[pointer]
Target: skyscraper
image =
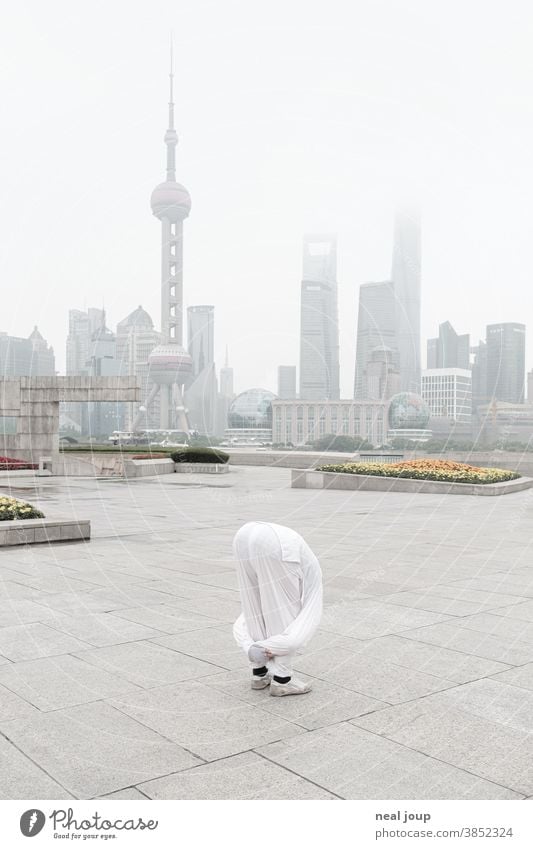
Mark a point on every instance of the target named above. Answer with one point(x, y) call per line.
point(449, 349)
point(136, 339)
point(201, 392)
point(406, 278)
point(376, 329)
point(201, 336)
point(287, 382)
point(506, 361)
point(225, 396)
point(319, 328)
point(31, 357)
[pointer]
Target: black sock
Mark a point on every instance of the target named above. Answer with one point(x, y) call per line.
point(261, 671)
point(280, 680)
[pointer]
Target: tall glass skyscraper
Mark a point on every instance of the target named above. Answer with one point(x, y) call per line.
point(506, 361)
point(319, 326)
point(449, 349)
point(376, 328)
point(406, 278)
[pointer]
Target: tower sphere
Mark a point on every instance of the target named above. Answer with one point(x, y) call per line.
point(408, 411)
point(170, 200)
point(169, 364)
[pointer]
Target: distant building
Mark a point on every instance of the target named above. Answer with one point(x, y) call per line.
point(530, 387)
point(103, 417)
point(299, 422)
point(81, 326)
point(319, 327)
point(201, 391)
point(381, 378)
point(506, 362)
point(376, 330)
point(225, 396)
point(31, 357)
point(448, 393)
point(406, 278)
point(479, 375)
point(201, 337)
point(136, 339)
point(250, 416)
point(449, 349)
point(287, 382)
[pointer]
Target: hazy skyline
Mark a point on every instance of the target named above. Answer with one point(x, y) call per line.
point(293, 118)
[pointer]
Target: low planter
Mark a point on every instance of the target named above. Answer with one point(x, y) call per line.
point(310, 479)
point(201, 468)
point(30, 531)
point(147, 468)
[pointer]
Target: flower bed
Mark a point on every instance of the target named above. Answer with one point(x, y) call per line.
point(151, 457)
point(8, 464)
point(11, 508)
point(432, 470)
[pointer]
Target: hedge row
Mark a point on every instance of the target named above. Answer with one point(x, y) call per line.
point(199, 454)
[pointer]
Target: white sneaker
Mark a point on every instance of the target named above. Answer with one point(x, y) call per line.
point(261, 682)
point(291, 688)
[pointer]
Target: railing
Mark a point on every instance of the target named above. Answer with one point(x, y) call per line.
point(381, 458)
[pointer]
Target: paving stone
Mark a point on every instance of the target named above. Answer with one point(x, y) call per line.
point(21, 611)
point(455, 637)
point(500, 626)
point(147, 664)
point(362, 765)
point(495, 752)
point(245, 776)
point(522, 612)
point(205, 721)
point(11, 706)
point(367, 619)
point(520, 676)
point(496, 700)
point(491, 598)
point(214, 645)
point(130, 793)
point(166, 618)
point(452, 665)
point(223, 609)
point(58, 682)
point(22, 779)
point(425, 600)
point(25, 642)
point(326, 704)
point(379, 679)
point(95, 749)
point(100, 629)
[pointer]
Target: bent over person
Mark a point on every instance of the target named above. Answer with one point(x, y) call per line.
point(280, 585)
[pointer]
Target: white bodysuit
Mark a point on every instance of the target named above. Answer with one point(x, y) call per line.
point(280, 584)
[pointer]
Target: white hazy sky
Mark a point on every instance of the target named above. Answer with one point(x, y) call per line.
point(293, 116)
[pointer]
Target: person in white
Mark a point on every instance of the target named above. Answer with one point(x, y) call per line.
point(280, 584)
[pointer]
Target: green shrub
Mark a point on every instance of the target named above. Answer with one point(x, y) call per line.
point(11, 508)
point(341, 442)
point(199, 454)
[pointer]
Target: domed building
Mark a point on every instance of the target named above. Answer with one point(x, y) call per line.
point(408, 417)
point(250, 416)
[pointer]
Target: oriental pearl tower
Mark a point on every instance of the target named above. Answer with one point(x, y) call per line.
point(170, 365)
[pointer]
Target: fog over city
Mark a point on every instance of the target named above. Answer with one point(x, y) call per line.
point(292, 117)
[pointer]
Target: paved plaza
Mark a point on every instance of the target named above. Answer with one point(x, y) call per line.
point(119, 676)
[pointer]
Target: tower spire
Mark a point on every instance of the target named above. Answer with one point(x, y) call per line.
point(171, 137)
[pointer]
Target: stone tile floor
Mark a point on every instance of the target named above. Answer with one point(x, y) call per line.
point(119, 677)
